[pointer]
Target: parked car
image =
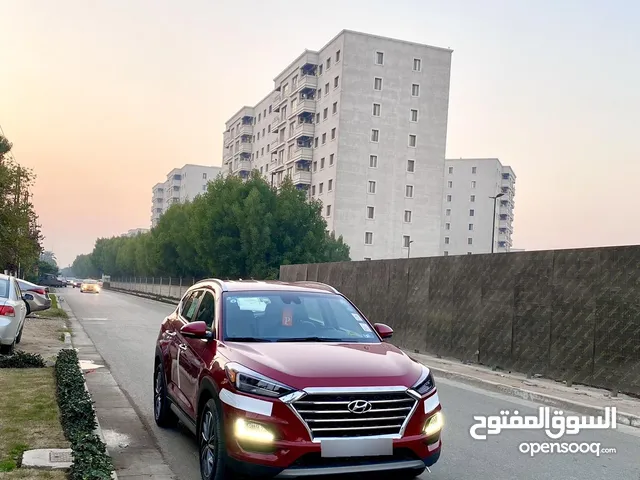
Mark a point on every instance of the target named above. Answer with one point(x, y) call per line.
point(77, 283)
point(49, 280)
point(89, 285)
point(13, 311)
point(291, 380)
point(37, 297)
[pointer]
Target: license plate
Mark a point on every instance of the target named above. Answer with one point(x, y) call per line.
point(356, 447)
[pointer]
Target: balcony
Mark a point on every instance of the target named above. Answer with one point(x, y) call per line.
point(301, 177)
point(278, 122)
point(306, 82)
point(244, 166)
point(276, 144)
point(304, 130)
point(304, 106)
point(245, 130)
point(245, 147)
point(277, 98)
point(302, 154)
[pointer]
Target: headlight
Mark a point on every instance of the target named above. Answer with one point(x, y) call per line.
point(434, 424)
point(248, 381)
point(425, 383)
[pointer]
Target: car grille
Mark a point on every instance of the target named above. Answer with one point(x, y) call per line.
point(329, 416)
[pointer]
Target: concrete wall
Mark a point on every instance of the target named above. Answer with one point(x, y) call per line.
point(567, 314)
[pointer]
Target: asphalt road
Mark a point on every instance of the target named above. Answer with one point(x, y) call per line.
point(124, 329)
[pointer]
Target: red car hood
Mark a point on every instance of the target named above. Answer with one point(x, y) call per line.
point(302, 365)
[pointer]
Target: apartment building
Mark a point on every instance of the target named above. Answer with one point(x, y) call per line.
point(134, 232)
point(471, 188)
point(361, 125)
point(181, 185)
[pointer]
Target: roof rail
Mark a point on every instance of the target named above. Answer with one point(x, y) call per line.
point(215, 280)
point(320, 285)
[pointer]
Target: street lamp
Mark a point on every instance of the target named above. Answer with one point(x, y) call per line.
point(493, 228)
point(409, 251)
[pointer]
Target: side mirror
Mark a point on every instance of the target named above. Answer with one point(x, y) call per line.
point(385, 331)
point(197, 330)
point(26, 297)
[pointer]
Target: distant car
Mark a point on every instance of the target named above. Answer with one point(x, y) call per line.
point(77, 283)
point(89, 285)
point(13, 311)
point(32, 294)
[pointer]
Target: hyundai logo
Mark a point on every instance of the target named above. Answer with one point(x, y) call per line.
point(359, 406)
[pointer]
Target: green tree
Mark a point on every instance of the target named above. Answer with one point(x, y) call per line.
point(83, 266)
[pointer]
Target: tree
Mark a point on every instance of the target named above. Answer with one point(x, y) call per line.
point(83, 267)
point(20, 236)
point(49, 257)
point(236, 229)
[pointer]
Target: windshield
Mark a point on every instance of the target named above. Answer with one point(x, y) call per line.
point(89, 281)
point(293, 316)
point(4, 288)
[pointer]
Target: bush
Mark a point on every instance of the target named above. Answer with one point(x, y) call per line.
point(22, 359)
point(78, 418)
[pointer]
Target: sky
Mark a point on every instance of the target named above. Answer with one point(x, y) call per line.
point(102, 98)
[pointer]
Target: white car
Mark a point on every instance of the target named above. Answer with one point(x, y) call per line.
point(13, 311)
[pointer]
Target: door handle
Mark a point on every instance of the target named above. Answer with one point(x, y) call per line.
point(182, 346)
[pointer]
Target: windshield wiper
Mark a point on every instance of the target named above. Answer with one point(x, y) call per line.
point(309, 339)
point(246, 339)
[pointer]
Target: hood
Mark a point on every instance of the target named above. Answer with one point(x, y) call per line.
point(302, 365)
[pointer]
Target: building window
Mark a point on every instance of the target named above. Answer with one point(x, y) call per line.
point(447, 226)
point(450, 184)
point(472, 198)
point(372, 186)
point(333, 133)
point(315, 166)
point(471, 227)
point(446, 254)
point(411, 166)
point(379, 58)
point(415, 90)
point(473, 184)
point(417, 65)
point(204, 187)
point(337, 56)
point(331, 159)
point(313, 191)
point(375, 135)
point(328, 210)
point(448, 198)
point(334, 108)
point(326, 89)
point(319, 70)
point(474, 169)
point(413, 140)
point(376, 110)
point(370, 213)
point(328, 63)
point(407, 216)
point(414, 115)
point(204, 176)
point(368, 238)
point(406, 241)
point(472, 212)
point(469, 241)
point(450, 170)
point(330, 185)
point(408, 191)
point(315, 142)
point(373, 161)
point(447, 212)
point(336, 82)
point(321, 163)
point(377, 83)
point(320, 188)
point(367, 258)
point(446, 240)
point(324, 138)
point(325, 114)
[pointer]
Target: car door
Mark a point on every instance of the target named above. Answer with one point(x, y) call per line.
point(185, 315)
point(186, 307)
point(21, 305)
point(196, 352)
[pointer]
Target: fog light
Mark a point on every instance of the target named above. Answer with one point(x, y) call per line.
point(434, 424)
point(247, 430)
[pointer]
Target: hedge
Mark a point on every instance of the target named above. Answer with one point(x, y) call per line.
point(22, 359)
point(90, 458)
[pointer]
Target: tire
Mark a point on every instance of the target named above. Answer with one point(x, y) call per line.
point(408, 475)
point(162, 413)
point(211, 444)
point(8, 349)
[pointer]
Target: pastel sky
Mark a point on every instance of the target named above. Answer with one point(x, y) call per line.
point(103, 97)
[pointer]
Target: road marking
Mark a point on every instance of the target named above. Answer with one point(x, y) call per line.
point(96, 318)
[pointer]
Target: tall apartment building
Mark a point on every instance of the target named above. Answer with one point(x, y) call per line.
point(134, 232)
point(181, 185)
point(361, 125)
point(468, 207)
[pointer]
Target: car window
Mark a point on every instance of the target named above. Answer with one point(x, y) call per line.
point(18, 291)
point(282, 316)
point(207, 309)
point(190, 305)
point(4, 288)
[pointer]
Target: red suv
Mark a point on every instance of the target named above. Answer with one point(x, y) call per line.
point(290, 380)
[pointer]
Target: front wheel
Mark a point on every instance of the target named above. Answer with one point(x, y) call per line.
point(162, 413)
point(213, 454)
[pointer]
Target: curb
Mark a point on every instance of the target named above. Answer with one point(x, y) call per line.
point(149, 296)
point(627, 419)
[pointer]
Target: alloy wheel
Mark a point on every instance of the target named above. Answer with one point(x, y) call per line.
point(207, 445)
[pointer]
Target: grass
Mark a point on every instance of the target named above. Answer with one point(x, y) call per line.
point(55, 311)
point(29, 418)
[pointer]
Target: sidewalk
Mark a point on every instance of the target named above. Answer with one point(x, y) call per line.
point(578, 398)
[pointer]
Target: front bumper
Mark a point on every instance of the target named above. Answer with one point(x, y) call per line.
point(293, 454)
